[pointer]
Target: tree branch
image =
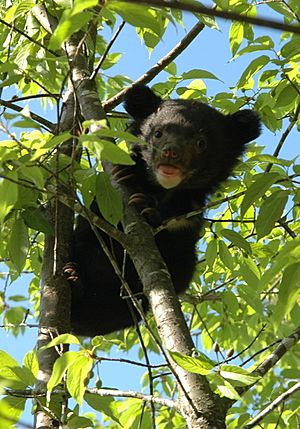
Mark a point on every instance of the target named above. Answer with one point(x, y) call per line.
point(10, 105)
point(281, 398)
point(158, 67)
point(30, 393)
point(198, 8)
point(285, 345)
point(132, 394)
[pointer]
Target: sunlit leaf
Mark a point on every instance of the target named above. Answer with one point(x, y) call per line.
point(103, 404)
point(36, 219)
point(200, 364)
point(60, 367)
point(236, 34)
point(68, 25)
point(136, 15)
point(271, 210)
point(225, 255)
point(108, 199)
point(229, 391)
point(232, 372)
point(257, 189)
point(8, 195)
point(18, 244)
point(199, 74)
point(237, 239)
point(62, 339)
point(254, 66)
point(288, 293)
point(78, 372)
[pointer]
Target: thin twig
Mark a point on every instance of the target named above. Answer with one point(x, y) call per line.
point(36, 42)
point(107, 49)
point(284, 137)
point(131, 362)
point(248, 347)
point(32, 97)
point(49, 125)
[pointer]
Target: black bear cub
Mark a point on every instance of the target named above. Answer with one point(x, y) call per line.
point(190, 148)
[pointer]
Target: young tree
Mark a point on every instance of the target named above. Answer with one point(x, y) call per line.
point(225, 346)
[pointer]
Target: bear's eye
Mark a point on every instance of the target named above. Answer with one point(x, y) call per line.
point(157, 134)
point(202, 143)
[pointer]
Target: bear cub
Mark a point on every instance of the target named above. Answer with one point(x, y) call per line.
point(190, 148)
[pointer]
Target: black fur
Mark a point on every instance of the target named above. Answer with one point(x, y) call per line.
point(190, 148)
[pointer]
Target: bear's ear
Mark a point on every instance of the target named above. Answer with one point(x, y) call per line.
point(140, 102)
point(244, 125)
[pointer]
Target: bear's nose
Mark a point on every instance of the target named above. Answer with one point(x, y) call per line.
point(169, 152)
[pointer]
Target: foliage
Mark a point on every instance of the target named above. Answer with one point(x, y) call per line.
point(244, 295)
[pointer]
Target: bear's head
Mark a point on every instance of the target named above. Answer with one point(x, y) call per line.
point(188, 143)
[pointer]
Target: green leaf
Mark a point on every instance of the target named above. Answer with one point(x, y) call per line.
point(62, 339)
point(109, 199)
point(106, 150)
point(230, 301)
point(111, 60)
point(110, 133)
point(288, 255)
point(18, 244)
point(59, 368)
point(257, 189)
point(68, 25)
point(8, 195)
point(236, 34)
point(10, 370)
point(246, 80)
point(103, 404)
point(24, 375)
point(225, 255)
point(288, 293)
point(78, 422)
point(199, 74)
point(10, 411)
point(271, 210)
point(199, 365)
point(18, 298)
point(236, 239)
point(86, 179)
point(287, 96)
point(80, 5)
point(30, 361)
point(78, 372)
point(209, 21)
point(34, 218)
point(236, 373)
point(291, 49)
point(6, 361)
point(211, 252)
point(54, 141)
point(136, 15)
point(250, 272)
point(14, 315)
point(229, 391)
point(270, 159)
